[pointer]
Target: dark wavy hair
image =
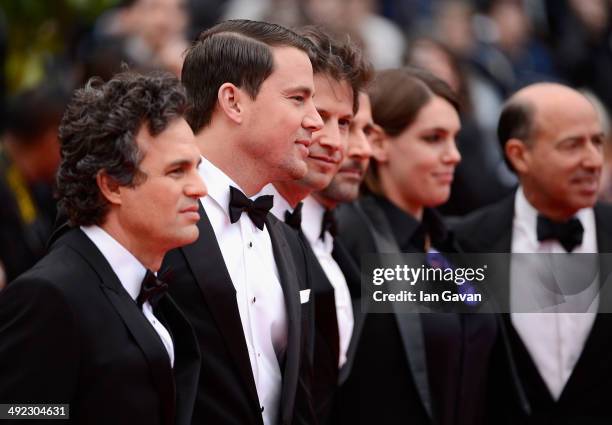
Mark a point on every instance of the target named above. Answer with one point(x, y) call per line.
point(236, 51)
point(341, 59)
point(98, 133)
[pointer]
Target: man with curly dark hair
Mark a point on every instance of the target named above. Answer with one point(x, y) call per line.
point(90, 325)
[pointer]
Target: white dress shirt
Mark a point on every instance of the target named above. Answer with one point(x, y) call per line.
point(312, 219)
point(249, 258)
point(130, 272)
point(553, 338)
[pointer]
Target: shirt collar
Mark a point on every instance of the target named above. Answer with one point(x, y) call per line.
point(128, 269)
point(280, 203)
point(526, 216)
point(410, 232)
point(312, 220)
point(218, 184)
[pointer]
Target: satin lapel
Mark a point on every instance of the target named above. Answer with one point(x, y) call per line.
point(142, 331)
point(187, 359)
point(411, 331)
point(409, 325)
point(495, 236)
point(208, 267)
point(286, 270)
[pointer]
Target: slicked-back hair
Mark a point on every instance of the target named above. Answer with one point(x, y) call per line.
point(515, 122)
point(342, 60)
point(237, 52)
point(98, 133)
point(396, 97)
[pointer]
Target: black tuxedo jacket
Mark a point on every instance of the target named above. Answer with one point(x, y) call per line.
point(70, 333)
point(397, 371)
point(326, 347)
point(586, 398)
point(324, 337)
point(201, 285)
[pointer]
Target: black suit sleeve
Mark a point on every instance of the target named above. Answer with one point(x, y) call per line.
point(39, 355)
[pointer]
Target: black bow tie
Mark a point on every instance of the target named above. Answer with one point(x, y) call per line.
point(257, 209)
point(294, 219)
point(152, 290)
point(329, 224)
point(569, 233)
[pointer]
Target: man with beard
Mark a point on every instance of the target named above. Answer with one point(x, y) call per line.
point(345, 185)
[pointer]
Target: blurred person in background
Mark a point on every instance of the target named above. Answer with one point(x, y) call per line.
point(153, 32)
point(509, 53)
point(29, 159)
point(581, 35)
point(382, 41)
point(3, 46)
point(3, 55)
point(452, 26)
point(605, 188)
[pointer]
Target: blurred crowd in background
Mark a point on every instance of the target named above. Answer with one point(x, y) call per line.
point(484, 49)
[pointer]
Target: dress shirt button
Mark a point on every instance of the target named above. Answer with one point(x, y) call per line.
point(253, 300)
point(250, 244)
point(262, 409)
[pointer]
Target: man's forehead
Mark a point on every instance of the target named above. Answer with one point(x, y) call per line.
point(326, 85)
point(559, 118)
point(552, 99)
point(177, 134)
point(289, 56)
point(365, 110)
point(292, 68)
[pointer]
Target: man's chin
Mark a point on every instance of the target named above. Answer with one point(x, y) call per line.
point(188, 236)
point(315, 181)
point(296, 171)
point(341, 192)
point(584, 202)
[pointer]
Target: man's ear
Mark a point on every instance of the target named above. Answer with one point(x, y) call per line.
point(109, 187)
point(517, 153)
point(380, 145)
point(231, 100)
